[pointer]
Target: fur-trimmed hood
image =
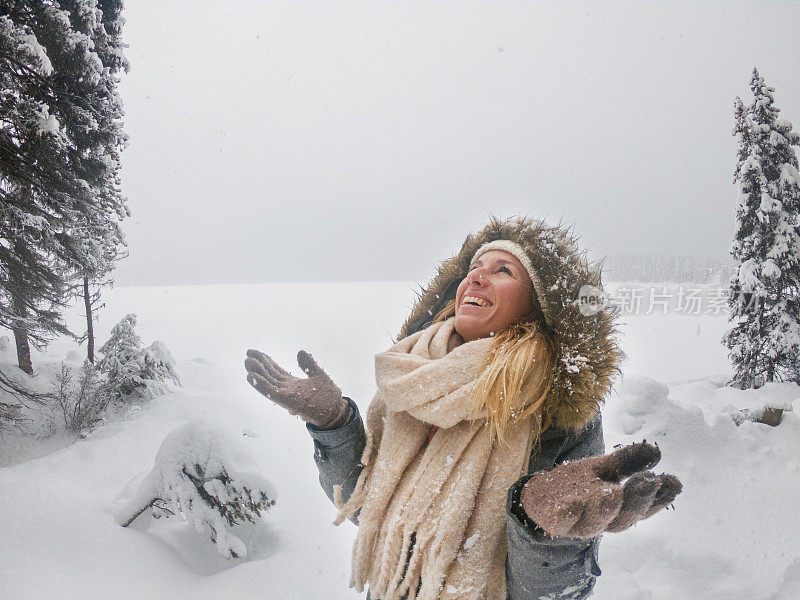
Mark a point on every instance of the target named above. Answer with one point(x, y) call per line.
point(587, 355)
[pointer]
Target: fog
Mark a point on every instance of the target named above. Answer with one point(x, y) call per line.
point(362, 141)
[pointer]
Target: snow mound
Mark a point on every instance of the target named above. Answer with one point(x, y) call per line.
point(205, 475)
point(730, 535)
point(639, 398)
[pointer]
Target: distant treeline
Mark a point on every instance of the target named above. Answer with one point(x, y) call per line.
point(677, 268)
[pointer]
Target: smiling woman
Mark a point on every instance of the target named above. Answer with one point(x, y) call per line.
point(496, 293)
point(456, 482)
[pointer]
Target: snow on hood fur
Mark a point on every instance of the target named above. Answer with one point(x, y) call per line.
point(587, 355)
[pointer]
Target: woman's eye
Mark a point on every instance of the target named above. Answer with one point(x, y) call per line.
point(506, 269)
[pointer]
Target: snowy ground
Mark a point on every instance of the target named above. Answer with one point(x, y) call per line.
point(733, 534)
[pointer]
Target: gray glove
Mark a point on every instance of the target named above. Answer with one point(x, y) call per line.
point(585, 497)
point(315, 399)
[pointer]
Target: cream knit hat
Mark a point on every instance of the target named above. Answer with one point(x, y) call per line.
point(517, 251)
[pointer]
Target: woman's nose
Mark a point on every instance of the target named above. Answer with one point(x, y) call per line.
point(476, 276)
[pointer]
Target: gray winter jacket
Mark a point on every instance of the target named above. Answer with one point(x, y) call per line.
point(537, 566)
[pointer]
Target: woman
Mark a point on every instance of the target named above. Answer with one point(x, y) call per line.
point(496, 378)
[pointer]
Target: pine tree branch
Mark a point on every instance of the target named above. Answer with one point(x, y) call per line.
point(140, 511)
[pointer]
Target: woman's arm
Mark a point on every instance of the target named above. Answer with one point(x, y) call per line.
point(337, 454)
point(540, 566)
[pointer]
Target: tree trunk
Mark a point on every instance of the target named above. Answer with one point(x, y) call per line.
point(87, 302)
point(23, 351)
point(21, 334)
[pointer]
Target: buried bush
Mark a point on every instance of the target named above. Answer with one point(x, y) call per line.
point(203, 475)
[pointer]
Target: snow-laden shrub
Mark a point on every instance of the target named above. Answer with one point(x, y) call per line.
point(158, 365)
point(79, 396)
point(205, 475)
point(133, 372)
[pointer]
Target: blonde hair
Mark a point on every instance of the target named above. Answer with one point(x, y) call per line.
point(514, 378)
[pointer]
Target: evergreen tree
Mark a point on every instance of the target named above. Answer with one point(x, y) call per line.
point(764, 339)
point(122, 360)
point(36, 181)
point(130, 370)
point(101, 243)
point(60, 139)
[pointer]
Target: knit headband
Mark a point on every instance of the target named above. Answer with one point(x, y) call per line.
point(520, 254)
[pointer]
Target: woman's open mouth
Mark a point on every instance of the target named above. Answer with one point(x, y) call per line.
point(475, 301)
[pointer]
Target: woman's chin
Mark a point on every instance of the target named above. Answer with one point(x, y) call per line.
point(471, 327)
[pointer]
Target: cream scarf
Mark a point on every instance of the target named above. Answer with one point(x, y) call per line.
point(450, 493)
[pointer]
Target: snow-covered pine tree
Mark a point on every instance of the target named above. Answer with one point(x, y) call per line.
point(36, 180)
point(130, 370)
point(764, 340)
point(99, 140)
point(205, 475)
point(61, 137)
point(122, 360)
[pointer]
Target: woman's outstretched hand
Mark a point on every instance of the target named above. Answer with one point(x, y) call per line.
point(585, 497)
point(315, 399)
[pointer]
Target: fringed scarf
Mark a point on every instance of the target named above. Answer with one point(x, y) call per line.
point(448, 493)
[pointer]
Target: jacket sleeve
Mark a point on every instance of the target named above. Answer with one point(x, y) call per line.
point(337, 454)
point(538, 566)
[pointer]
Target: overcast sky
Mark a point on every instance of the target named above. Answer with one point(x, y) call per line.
point(279, 141)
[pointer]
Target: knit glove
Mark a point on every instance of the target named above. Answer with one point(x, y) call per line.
point(315, 399)
point(585, 497)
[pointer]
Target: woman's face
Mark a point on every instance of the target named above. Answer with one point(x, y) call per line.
point(495, 293)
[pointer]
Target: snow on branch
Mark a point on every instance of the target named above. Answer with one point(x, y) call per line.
point(133, 371)
point(204, 475)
